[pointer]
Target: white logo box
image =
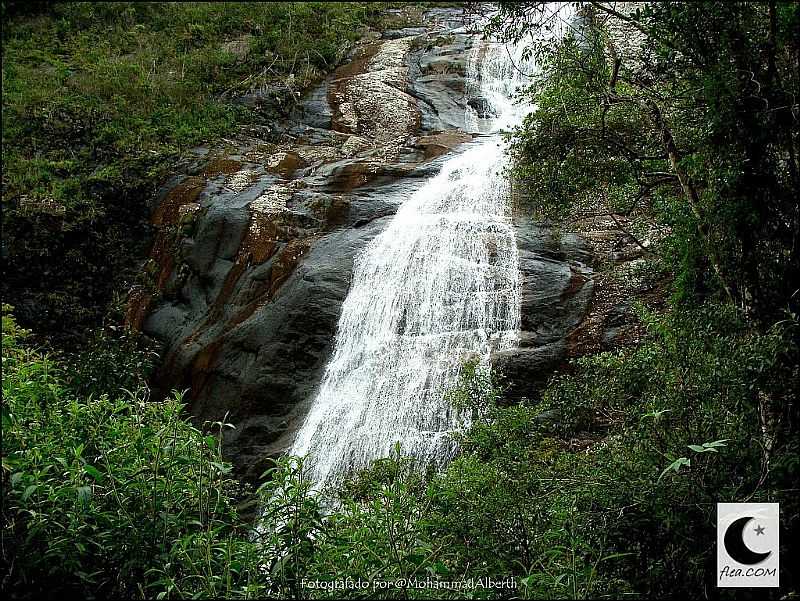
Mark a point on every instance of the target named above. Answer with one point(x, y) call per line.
point(748, 540)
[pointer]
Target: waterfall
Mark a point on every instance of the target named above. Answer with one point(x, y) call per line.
point(439, 285)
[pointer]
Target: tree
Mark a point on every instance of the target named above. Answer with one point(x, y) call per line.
point(687, 108)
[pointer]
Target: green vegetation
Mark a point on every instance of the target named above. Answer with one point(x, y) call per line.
point(122, 496)
point(688, 113)
point(99, 100)
point(110, 497)
point(98, 491)
point(617, 493)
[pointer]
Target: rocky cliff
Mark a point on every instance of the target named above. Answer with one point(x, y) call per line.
point(256, 238)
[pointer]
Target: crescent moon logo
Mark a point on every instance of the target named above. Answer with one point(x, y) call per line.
point(734, 544)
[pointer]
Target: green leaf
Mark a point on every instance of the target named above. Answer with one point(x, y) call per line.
point(708, 447)
point(675, 466)
point(222, 468)
point(93, 472)
point(29, 491)
point(655, 414)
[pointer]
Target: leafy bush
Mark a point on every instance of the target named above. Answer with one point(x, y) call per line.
point(122, 496)
point(617, 494)
point(701, 411)
point(98, 490)
point(380, 532)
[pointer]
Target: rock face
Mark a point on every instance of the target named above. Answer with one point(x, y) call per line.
point(256, 240)
point(557, 289)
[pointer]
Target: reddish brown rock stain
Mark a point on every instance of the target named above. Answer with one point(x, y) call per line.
point(220, 167)
point(337, 212)
point(260, 242)
point(576, 282)
point(202, 365)
point(436, 145)
point(228, 286)
point(257, 246)
point(165, 217)
point(263, 238)
point(290, 163)
point(138, 307)
point(184, 193)
point(354, 175)
point(281, 270)
point(286, 262)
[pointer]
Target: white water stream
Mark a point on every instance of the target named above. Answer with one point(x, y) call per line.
point(440, 284)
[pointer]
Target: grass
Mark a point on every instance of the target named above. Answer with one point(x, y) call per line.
point(88, 84)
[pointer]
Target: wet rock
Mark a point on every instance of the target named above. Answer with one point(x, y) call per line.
point(527, 370)
point(482, 107)
point(438, 144)
point(314, 110)
point(403, 33)
point(256, 242)
point(556, 282)
point(557, 290)
point(437, 81)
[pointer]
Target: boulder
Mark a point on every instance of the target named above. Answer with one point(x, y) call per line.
point(482, 107)
point(557, 291)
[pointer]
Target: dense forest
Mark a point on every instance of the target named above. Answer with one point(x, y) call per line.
point(680, 117)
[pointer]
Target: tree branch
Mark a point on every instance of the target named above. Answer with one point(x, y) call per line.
point(689, 191)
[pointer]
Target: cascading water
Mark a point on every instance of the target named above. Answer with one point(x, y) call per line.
point(440, 284)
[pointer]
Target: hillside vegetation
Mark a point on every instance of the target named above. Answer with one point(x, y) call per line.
point(100, 99)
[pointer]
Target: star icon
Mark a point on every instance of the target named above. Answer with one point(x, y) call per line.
point(759, 530)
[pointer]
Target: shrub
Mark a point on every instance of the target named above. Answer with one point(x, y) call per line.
point(97, 490)
point(619, 494)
